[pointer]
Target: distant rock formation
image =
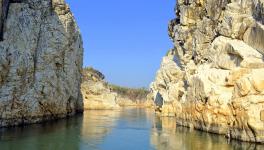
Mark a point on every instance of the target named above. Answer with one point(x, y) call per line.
point(135, 97)
point(40, 62)
point(96, 92)
point(212, 79)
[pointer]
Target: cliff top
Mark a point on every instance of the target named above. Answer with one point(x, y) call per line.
point(90, 73)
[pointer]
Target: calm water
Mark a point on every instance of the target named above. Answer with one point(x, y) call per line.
point(128, 129)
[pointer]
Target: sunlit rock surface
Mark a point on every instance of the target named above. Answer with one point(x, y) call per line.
point(96, 92)
point(212, 79)
point(99, 94)
point(40, 63)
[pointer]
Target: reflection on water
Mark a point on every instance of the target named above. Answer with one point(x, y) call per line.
point(63, 134)
point(167, 135)
point(95, 126)
point(128, 129)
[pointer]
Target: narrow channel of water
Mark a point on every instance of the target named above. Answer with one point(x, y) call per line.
point(127, 129)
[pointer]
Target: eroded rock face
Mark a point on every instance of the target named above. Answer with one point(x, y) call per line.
point(99, 94)
point(213, 77)
point(96, 92)
point(40, 63)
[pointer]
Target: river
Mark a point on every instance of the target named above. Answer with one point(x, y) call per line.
point(126, 129)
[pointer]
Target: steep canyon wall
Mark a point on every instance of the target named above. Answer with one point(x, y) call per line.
point(40, 62)
point(213, 79)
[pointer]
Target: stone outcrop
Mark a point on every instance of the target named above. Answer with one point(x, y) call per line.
point(96, 92)
point(132, 97)
point(212, 79)
point(40, 62)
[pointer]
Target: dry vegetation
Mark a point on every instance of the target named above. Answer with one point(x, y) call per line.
point(130, 93)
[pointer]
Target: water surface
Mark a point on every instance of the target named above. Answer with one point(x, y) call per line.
point(127, 129)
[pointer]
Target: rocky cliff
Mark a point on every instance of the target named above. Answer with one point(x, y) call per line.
point(96, 92)
point(212, 79)
point(40, 61)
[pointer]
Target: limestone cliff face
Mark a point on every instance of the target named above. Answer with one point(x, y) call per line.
point(213, 77)
point(40, 62)
point(96, 92)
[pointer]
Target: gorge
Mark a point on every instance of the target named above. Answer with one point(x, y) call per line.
point(98, 94)
point(211, 80)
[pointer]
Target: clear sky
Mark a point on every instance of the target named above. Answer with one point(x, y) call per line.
point(124, 39)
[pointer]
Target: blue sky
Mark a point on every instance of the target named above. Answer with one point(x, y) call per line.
point(124, 39)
